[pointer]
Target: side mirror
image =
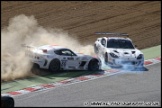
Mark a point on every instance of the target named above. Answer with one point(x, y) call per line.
point(136, 46)
point(103, 44)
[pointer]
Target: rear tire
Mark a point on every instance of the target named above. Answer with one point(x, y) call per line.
point(54, 65)
point(35, 68)
point(93, 65)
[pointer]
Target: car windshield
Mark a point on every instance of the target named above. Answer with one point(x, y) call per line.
point(120, 43)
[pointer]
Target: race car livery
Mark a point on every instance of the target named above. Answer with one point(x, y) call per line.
point(56, 58)
point(118, 51)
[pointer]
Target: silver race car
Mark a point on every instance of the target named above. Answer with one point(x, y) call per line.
point(56, 58)
point(117, 51)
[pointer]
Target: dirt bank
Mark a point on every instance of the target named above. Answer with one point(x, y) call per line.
point(140, 19)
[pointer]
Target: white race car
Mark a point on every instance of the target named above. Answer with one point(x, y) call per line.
point(118, 51)
point(56, 58)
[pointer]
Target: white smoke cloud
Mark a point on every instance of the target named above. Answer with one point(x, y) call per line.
point(24, 29)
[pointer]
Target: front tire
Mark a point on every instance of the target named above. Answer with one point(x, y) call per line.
point(93, 65)
point(54, 65)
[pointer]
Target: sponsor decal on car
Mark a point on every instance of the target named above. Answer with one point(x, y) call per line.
point(77, 58)
point(84, 58)
point(72, 67)
point(70, 58)
point(63, 62)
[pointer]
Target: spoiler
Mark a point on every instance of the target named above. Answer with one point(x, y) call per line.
point(111, 33)
point(27, 46)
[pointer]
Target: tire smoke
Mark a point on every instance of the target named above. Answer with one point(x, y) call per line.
point(24, 29)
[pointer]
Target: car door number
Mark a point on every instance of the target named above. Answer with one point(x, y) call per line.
point(64, 62)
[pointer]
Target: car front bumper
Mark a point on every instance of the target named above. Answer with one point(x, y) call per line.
point(126, 62)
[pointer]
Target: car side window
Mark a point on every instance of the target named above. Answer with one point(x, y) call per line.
point(64, 52)
point(103, 41)
point(58, 52)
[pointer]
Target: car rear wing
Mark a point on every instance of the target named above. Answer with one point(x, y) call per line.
point(28, 48)
point(112, 34)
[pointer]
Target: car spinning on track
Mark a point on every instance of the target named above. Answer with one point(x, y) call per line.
point(118, 51)
point(56, 58)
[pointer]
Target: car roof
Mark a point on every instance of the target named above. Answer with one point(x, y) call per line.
point(51, 47)
point(123, 38)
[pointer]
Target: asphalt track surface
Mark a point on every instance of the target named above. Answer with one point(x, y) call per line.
point(140, 88)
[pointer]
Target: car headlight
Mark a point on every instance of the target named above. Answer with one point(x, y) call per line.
point(140, 56)
point(113, 55)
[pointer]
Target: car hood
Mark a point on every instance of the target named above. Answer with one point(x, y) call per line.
point(126, 52)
